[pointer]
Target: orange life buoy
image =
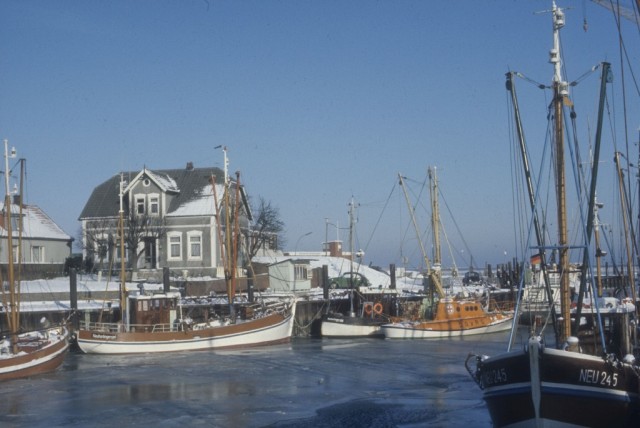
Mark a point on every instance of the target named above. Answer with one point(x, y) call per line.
point(377, 308)
point(367, 308)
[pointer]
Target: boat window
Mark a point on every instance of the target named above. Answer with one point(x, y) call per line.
point(145, 305)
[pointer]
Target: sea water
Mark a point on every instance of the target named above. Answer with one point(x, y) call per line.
point(306, 383)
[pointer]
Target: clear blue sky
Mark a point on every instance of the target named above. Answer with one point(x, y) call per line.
point(317, 102)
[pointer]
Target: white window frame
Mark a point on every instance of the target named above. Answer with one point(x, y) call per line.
point(194, 237)
point(171, 235)
point(40, 251)
point(154, 201)
point(118, 256)
point(141, 202)
point(300, 272)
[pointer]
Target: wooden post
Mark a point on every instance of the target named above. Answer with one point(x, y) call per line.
point(73, 297)
point(392, 273)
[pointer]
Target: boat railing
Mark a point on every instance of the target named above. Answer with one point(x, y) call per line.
point(107, 327)
point(118, 327)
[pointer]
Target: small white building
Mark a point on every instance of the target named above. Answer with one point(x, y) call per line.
point(44, 246)
point(290, 275)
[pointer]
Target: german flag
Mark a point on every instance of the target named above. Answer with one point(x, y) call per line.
point(536, 259)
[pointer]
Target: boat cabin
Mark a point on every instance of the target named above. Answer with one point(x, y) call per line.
point(154, 310)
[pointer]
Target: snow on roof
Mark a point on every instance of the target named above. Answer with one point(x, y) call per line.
point(201, 204)
point(339, 265)
point(36, 224)
point(163, 180)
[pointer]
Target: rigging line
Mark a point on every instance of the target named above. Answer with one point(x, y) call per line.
point(375, 227)
point(623, 47)
point(464, 242)
point(449, 245)
point(529, 80)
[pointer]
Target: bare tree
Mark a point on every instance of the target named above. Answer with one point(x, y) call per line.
point(266, 229)
point(99, 238)
point(138, 228)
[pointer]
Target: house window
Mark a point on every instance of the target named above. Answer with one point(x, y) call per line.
point(175, 246)
point(154, 205)
point(15, 223)
point(195, 245)
point(140, 204)
point(37, 254)
point(301, 272)
point(118, 252)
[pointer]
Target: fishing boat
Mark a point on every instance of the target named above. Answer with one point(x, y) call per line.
point(453, 317)
point(369, 308)
point(373, 308)
point(590, 378)
point(153, 320)
point(441, 315)
point(156, 325)
point(24, 354)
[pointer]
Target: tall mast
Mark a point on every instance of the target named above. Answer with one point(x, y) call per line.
point(511, 87)
point(123, 286)
point(560, 91)
point(13, 305)
point(435, 217)
point(433, 276)
point(352, 222)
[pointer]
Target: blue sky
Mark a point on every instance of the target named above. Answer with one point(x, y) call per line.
point(317, 102)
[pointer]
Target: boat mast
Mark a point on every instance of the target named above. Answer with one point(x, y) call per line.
point(433, 276)
point(227, 252)
point(14, 313)
point(625, 223)
point(435, 218)
point(352, 207)
point(511, 87)
point(123, 286)
point(592, 213)
point(560, 91)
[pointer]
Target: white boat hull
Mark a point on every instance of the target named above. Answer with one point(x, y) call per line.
point(410, 331)
point(344, 327)
point(265, 331)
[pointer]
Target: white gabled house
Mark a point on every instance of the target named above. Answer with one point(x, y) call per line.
point(40, 246)
point(175, 215)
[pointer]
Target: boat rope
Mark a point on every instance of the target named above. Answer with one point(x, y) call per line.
point(475, 375)
point(316, 316)
point(375, 227)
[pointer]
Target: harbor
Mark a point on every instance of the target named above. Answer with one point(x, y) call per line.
point(320, 214)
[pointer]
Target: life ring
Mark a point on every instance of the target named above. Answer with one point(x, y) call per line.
point(368, 308)
point(377, 308)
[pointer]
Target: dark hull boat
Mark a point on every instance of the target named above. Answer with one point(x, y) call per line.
point(589, 377)
point(540, 386)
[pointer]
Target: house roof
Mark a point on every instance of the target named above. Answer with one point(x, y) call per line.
point(190, 186)
point(36, 224)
